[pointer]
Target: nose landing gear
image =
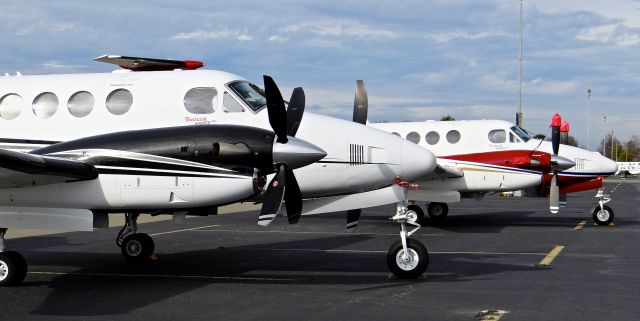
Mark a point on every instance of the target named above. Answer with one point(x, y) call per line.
point(602, 214)
point(407, 258)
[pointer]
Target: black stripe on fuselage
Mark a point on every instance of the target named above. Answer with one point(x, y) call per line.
point(27, 141)
point(146, 172)
point(350, 163)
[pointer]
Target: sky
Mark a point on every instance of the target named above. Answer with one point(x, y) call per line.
point(420, 59)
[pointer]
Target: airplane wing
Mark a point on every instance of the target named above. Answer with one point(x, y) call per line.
point(24, 170)
point(149, 64)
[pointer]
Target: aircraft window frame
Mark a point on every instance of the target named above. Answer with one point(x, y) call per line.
point(13, 107)
point(119, 101)
point(234, 106)
point(45, 105)
point(81, 108)
point(497, 136)
point(432, 137)
point(413, 137)
point(255, 106)
point(453, 136)
point(522, 133)
point(196, 101)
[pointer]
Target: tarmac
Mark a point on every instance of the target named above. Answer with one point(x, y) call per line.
point(502, 258)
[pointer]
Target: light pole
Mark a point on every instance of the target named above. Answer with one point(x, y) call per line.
point(604, 141)
point(519, 114)
point(588, 118)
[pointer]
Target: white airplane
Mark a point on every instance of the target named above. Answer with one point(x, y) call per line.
point(628, 168)
point(160, 137)
point(476, 157)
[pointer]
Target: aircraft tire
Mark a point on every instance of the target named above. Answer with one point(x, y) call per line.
point(438, 211)
point(13, 268)
point(418, 214)
point(604, 217)
point(418, 259)
point(137, 247)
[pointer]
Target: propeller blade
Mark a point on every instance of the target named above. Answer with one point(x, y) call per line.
point(275, 108)
point(274, 196)
point(360, 104)
point(353, 218)
point(555, 133)
point(293, 198)
point(554, 194)
point(295, 111)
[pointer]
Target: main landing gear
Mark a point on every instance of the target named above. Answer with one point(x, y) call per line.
point(602, 214)
point(437, 212)
point(13, 266)
point(407, 258)
point(135, 246)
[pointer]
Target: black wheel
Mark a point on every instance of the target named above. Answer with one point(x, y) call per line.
point(415, 213)
point(411, 266)
point(438, 211)
point(604, 216)
point(137, 247)
point(13, 268)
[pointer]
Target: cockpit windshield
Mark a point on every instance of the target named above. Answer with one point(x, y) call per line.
point(522, 133)
point(251, 94)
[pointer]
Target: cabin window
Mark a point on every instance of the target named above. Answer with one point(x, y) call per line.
point(513, 138)
point(432, 138)
point(10, 106)
point(201, 100)
point(45, 105)
point(81, 104)
point(394, 133)
point(498, 136)
point(119, 101)
point(413, 137)
point(453, 136)
point(230, 104)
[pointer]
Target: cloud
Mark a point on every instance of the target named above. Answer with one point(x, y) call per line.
point(450, 35)
point(277, 39)
point(206, 35)
point(616, 34)
point(536, 86)
point(341, 29)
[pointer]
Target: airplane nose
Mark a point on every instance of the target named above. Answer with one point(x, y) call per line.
point(609, 166)
point(416, 161)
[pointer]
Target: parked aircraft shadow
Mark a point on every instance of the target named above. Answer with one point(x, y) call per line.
point(107, 285)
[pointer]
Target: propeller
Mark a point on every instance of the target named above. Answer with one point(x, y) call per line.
point(564, 140)
point(288, 153)
point(554, 190)
point(360, 111)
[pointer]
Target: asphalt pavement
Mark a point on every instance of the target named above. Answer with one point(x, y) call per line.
point(501, 258)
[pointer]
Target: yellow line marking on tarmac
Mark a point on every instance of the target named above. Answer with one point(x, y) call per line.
point(183, 230)
point(551, 256)
point(580, 225)
point(167, 276)
point(490, 315)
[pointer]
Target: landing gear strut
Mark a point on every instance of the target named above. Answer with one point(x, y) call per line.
point(13, 266)
point(602, 214)
point(407, 258)
point(135, 246)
